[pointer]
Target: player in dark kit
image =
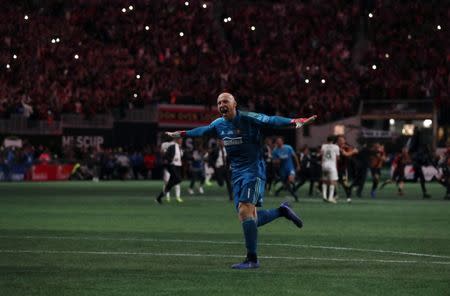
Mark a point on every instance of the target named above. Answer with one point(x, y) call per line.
point(377, 159)
point(346, 152)
point(242, 137)
point(400, 162)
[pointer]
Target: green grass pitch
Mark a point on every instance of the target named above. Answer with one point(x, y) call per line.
point(111, 238)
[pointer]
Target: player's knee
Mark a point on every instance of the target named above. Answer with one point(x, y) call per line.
point(246, 211)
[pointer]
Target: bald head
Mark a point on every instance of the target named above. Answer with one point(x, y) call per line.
point(227, 96)
point(227, 105)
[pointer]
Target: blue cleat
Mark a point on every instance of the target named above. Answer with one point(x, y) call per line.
point(246, 265)
point(288, 213)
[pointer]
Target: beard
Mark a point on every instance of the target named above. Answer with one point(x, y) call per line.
point(223, 110)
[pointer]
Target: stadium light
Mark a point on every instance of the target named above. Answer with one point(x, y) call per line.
point(252, 28)
point(76, 56)
point(438, 27)
point(427, 123)
point(124, 10)
point(204, 5)
point(323, 81)
point(370, 15)
point(392, 121)
point(25, 17)
point(186, 3)
point(306, 80)
point(14, 56)
point(181, 34)
point(386, 55)
point(130, 7)
point(138, 76)
point(8, 66)
point(374, 67)
point(147, 28)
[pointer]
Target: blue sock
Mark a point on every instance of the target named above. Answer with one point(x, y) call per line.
point(267, 216)
point(251, 237)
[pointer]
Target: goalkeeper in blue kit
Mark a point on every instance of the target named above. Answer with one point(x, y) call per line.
point(242, 137)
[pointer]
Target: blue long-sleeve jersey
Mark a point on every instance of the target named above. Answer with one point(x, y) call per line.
point(242, 138)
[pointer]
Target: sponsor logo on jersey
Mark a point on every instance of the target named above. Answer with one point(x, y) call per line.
point(232, 141)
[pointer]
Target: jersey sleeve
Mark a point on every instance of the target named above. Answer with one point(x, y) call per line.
point(337, 151)
point(208, 130)
point(265, 120)
point(291, 150)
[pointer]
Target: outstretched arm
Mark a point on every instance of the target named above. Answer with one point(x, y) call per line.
point(279, 121)
point(196, 132)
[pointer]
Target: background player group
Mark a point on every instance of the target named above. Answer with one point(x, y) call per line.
point(335, 167)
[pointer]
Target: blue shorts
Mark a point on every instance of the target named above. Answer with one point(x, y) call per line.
point(284, 174)
point(249, 191)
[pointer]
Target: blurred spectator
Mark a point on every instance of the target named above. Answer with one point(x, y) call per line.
point(302, 57)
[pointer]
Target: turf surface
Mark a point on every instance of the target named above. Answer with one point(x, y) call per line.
point(110, 238)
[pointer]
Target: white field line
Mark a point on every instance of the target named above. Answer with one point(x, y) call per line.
point(124, 253)
point(99, 238)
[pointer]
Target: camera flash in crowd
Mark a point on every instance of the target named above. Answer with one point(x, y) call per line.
point(229, 19)
point(130, 7)
point(138, 76)
point(225, 20)
point(135, 95)
point(204, 5)
point(438, 27)
point(306, 80)
point(427, 123)
point(374, 67)
point(76, 56)
point(124, 10)
point(8, 66)
point(53, 40)
point(147, 28)
point(252, 28)
point(386, 55)
point(392, 121)
point(186, 3)
point(14, 56)
point(25, 17)
point(181, 34)
point(323, 81)
point(370, 15)
point(409, 36)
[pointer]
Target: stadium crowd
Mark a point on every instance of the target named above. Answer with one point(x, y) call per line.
point(308, 57)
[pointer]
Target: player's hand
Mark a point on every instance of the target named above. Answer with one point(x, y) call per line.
point(299, 122)
point(175, 135)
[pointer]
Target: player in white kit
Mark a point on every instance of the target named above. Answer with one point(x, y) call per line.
point(330, 156)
